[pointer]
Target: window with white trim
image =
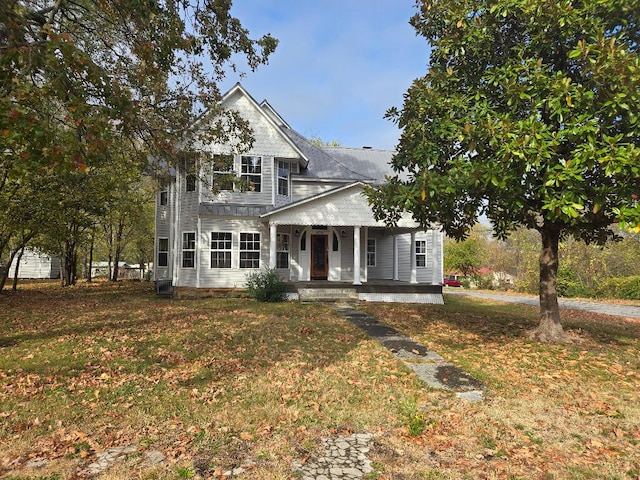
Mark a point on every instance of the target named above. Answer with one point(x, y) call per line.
point(164, 197)
point(249, 250)
point(283, 178)
point(190, 182)
point(221, 249)
point(251, 172)
point(421, 253)
point(222, 168)
point(188, 249)
point(163, 252)
point(371, 252)
point(282, 250)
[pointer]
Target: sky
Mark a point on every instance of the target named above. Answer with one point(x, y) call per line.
point(339, 65)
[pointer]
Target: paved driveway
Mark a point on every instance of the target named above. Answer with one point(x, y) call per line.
point(628, 311)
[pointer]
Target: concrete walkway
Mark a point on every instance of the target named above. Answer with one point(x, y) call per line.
point(628, 311)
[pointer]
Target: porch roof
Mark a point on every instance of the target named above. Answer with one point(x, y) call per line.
point(338, 207)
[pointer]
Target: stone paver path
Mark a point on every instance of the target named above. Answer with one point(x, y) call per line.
point(430, 367)
point(344, 459)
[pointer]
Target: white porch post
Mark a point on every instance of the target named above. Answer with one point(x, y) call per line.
point(197, 253)
point(395, 258)
point(356, 256)
point(273, 232)
point(414, 276)
point(436, 277)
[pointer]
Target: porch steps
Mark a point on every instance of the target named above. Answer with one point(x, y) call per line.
point(327, 294)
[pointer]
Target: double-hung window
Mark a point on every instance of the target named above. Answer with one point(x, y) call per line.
point(283, 178)
point(188, 249)
point(222, 168)
point(163, 252)
point(371, 252)
point(421, 253)
point(164, 197)
point(251, 172)
point(249, 250)
point(220, 249)
point(282, 250)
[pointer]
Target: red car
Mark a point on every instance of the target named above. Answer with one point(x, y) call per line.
point(451, 281)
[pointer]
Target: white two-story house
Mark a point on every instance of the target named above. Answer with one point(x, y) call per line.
point(304, 214)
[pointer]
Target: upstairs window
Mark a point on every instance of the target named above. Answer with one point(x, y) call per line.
point(163, 252)
point(220, 249)
point(222, 168)
point(188, 249)
point(190, 167)
point(283, 178)
point(164, 197)
point(249, 250)
point(251, 173)
point(421, 253)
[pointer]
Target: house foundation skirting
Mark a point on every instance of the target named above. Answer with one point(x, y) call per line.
point(388, 292)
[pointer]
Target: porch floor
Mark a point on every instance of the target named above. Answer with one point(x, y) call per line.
point(371, 291)
point(372, 286)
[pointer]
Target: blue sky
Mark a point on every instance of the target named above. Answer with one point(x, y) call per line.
point(338, 67)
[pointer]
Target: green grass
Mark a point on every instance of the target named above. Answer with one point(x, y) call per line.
point(216, 382)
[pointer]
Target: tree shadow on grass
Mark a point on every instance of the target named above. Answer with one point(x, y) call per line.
point(491, 321)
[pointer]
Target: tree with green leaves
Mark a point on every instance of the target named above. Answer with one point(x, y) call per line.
point(80, 80)
point(468, 255)
point(116, 70)
point(529, 114)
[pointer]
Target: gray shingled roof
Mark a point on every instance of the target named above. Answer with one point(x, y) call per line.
point(322, 163)
point(370, 163)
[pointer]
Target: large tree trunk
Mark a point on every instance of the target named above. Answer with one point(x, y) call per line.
point(4, 271)
point(68, 274)
point(550, 328)
point(90, 267)
point(14, 287)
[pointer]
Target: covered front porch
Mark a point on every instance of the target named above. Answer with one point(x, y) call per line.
point(333, 237)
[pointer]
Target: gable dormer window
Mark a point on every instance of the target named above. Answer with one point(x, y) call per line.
point(284, 169)
point(251, 173)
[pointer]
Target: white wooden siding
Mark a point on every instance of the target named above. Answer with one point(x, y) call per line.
point(164, 223)
point(423, 274)
point(35, 265)
point(301, 189)
point(384, 257)
point(234, 277)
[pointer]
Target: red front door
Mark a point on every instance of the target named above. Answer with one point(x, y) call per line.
point(319, 257)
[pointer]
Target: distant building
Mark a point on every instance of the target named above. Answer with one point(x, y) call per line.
point(35, 264)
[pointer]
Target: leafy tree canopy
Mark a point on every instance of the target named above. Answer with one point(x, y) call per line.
point(529, 114)
point(113, 71)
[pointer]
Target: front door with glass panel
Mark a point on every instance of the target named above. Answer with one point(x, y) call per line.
point(319, 257)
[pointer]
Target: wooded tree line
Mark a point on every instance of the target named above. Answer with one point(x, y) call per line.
point(586, 270)
point(89, 93)
point(80, 217)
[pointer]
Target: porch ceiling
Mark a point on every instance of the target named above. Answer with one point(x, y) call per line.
point(339, 207)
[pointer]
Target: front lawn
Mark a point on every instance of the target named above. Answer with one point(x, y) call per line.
point(218, 383)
